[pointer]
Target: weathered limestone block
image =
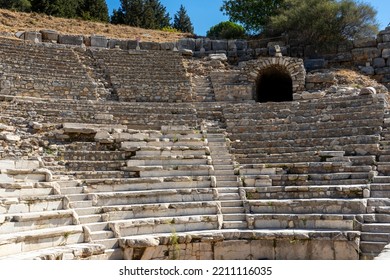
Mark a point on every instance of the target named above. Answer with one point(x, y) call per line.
point(219, 45)
point(167, 46)
point(76, 40)
point(50, 36)
point(98, 41)
point(220, 57)
point(116, 43)
point(33, 36)
point(187, 43)
point(149, 46)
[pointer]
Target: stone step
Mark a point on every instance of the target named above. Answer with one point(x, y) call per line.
point(97, 226)
point(26, 241)
point(223, 167)
point(228, 196)
point(226, 184)
point(165, 225)
point(377, 218)
point(234, 217)
point(304, 221)
point(222, 162)
point(152, 197)
point(375, 237)
point(377, 228)
point(233, 210)
point(226, 178)
point(72, 190)
point(372, 247)
point(19, 222)
point(88, 211)
point(153, 184)
point(114, 254)
point(381, 179)
point(380, 194)
point(111, 243)
point(223, 172)
point(305, 192)
point(77, 197)
point(231, 203)
point(235, 225)
point(104, 234)
point(308, 206)
point(227, 190)
point(87, 219)
point(81, 204)
point(172, 173)
point(95, 165)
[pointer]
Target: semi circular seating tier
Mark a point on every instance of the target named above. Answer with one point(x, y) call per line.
point(127, 179)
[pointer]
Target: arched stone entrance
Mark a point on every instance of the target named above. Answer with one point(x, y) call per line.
point(274, 79)
point(274, 84)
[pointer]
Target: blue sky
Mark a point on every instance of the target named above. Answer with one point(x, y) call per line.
point(206, 13)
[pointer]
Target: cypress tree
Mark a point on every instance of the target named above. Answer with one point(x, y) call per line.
point(182, 21)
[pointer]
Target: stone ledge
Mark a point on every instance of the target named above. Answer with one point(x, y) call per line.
point(68, 252)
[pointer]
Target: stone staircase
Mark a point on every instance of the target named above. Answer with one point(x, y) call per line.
point(203, 89)
point(376, 228)
point(226, 181)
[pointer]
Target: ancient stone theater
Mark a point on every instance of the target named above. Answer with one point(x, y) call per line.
point(193, 150)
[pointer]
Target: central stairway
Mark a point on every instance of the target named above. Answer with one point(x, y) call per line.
point(225, 179)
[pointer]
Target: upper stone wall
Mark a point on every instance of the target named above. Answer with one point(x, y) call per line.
point(372, 55)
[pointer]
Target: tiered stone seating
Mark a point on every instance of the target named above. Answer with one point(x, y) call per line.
point(299, 169)
point(43, 71)
point(34, 221)
point(376, 228)
point(146, 76)
point(134, 115)
point(151, 182)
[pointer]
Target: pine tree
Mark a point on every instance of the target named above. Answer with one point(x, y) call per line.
point(141, 13)
point(182, 21)
point(94, 10)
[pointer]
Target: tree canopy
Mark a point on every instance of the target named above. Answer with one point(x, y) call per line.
point(324, 22)
point(149, 14)
point(86, 9)
point(254, 15)
point(226, 30)
point(182, 21)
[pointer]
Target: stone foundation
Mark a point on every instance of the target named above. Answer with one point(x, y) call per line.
point(247, 245)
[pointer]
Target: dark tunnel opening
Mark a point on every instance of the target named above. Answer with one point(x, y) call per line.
point(274, 85)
